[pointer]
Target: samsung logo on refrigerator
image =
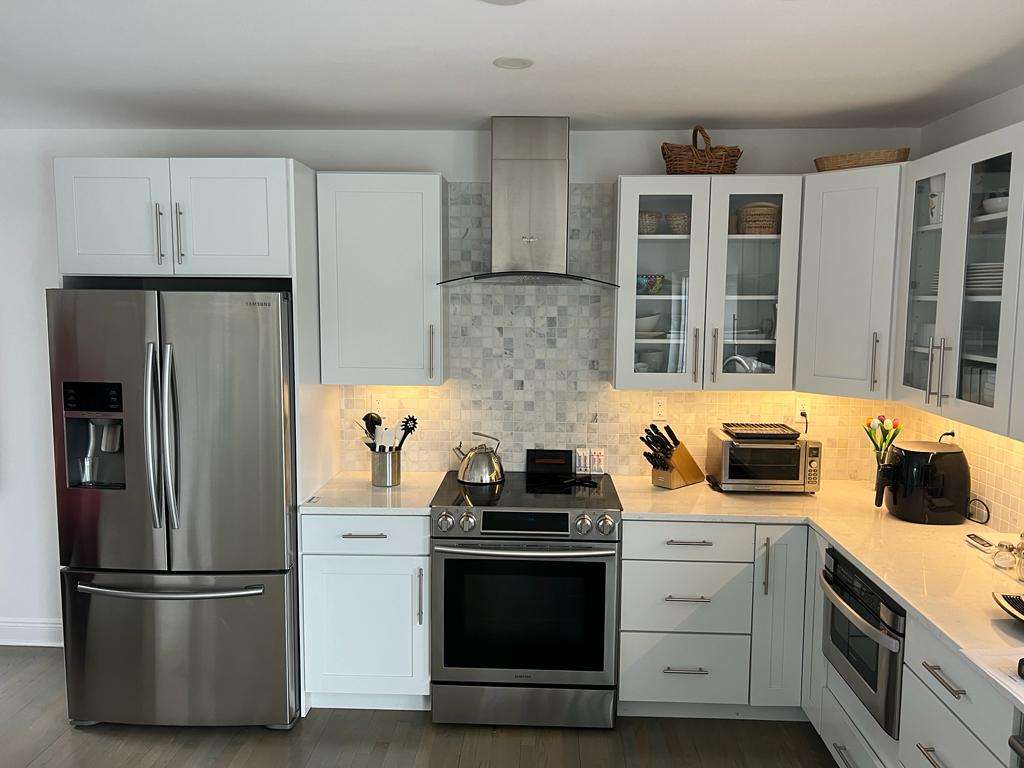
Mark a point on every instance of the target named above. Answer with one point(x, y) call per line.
point(258, 304)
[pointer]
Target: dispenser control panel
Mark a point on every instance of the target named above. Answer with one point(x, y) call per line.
point(95, 396)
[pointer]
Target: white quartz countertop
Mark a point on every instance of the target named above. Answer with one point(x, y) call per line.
point(928, 569)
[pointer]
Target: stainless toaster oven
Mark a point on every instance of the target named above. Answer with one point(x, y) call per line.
point(772, 465)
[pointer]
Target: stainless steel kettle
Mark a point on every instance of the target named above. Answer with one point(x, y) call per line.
point(480, 465)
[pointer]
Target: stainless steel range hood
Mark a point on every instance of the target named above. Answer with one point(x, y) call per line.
point(529, 203)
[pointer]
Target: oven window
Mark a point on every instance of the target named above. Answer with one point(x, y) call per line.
point(861, 651)
point(524, 614)
point(764, 463)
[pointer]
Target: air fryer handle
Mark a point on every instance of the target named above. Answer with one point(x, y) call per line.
point(882, 480)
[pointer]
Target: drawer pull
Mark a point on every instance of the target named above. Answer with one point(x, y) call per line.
point(685, 671)
point(674, 599)
point(681, 543)
point(363, 536)
point(844, 754)
point(929, 755)
point(936, 672)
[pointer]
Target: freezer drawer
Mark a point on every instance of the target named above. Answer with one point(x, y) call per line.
point(169, 649)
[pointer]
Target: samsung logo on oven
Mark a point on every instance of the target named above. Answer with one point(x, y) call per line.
point(258, 304)
point(522, 677)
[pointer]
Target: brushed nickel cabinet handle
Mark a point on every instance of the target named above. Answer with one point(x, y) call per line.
point(363, 536)
point(178, 213)
point(685, 671)
point(929, 755)
point(928, 378)
point(942, 365)
point(714, 355)
point(767, 563)
point(874, 362)
point(430, 351)
point(419, 609)
point(684, 543)
point(159, 235)
point(936, 671)
point(674, 599)
point(696, 354)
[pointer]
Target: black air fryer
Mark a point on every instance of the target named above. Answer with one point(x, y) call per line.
point(925, 482)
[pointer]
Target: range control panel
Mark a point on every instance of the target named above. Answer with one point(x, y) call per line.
point(462, 522)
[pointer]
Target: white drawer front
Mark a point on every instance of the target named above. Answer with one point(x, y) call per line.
point(931, 736)
point(702, 542)
point(697, 669)
point(365, 535)
point(842, 738)
point(687, 597)
point(963, 689)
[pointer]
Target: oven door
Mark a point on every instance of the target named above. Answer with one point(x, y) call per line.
point(763, 464)
point(524, 612)
point(866, 656)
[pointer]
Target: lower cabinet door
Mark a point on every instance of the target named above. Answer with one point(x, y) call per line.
point(365, 624)
point(842, 738)
point(931, 736)
point(684, 668)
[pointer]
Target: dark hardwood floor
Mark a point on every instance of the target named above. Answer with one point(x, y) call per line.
point(34, 733)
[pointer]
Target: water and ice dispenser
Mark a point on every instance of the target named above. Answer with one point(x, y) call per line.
point(94, 427)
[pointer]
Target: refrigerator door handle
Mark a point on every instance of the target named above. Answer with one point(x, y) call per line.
point(169, 438)
point(149, 406)
point(141, 594)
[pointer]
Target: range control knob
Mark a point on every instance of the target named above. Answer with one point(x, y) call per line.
point(584, 525)
point(605, 525)
point(445, 522)
point(467, 522)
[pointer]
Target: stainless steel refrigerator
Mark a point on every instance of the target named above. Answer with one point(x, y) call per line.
point(175, 504)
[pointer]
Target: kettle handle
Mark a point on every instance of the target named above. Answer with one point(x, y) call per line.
point(497, 441)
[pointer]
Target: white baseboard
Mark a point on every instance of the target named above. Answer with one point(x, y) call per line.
point(31, 632)
point(366, 701)
point(710, 711)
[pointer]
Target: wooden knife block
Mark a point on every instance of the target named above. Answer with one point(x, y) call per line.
point(684, 471)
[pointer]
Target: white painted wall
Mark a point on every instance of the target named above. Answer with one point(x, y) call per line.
point(984, 117)
point(29, 597)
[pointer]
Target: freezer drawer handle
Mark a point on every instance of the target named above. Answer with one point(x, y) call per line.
point(170, 441)
point(149, 406)
point(138, 594)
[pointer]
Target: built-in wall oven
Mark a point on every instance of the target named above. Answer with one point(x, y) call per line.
point(863, 638)
point(524, 606)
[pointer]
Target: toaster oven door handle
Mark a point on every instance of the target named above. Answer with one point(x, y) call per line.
point(886, 641)
point(552, 554)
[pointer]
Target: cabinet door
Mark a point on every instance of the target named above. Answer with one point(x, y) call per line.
point(365, 624)
point(776, 650)
point(113, 216)
point(847, 268)
point(381, 319)
point(662, 262)
point(814, 611)
point(231, 216)
point(753, 255)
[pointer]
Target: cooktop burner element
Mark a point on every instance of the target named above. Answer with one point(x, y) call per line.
point(741, 430)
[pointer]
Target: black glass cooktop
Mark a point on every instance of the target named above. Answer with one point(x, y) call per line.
point(530, 491)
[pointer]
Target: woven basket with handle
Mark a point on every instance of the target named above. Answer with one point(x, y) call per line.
point(691, 158)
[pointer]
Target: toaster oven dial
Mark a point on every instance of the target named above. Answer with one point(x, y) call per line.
point(445, 522)
point(605, 525)
point(467, 522)
point(584, 525)
point(813, 463)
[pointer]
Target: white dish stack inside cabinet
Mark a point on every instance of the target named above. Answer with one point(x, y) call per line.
point(958, 278)
point(381, 310)
point(847, 269)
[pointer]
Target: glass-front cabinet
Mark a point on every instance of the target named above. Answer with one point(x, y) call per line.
point(958, 280)
point(662, 259)
point(753, 259)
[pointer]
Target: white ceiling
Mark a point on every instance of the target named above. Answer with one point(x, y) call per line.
point(427, 63)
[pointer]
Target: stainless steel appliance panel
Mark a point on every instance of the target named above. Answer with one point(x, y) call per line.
point(108, 336)
point(507, 705)
point(169, 649)
point(224, 388)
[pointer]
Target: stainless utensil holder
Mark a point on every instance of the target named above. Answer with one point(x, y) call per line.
point(385, 468)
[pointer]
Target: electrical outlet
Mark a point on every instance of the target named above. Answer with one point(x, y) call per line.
point(597, 461)
point(660, 408)
point(801, 415)
point(582, 461)
point(377, 405)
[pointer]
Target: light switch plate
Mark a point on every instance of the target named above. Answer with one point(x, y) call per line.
point(597, 461)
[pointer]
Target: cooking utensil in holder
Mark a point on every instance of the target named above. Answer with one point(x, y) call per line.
point(385, 468)
point(684, 471)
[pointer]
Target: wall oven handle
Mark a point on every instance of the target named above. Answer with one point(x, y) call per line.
point(149, 416)
point(842, 751)
point(929, 755)
point(674, 599)
point(936, 671)
point(888, 642)
point(169, 441)
point(142, 594)
point(684, 671)
point(526, 553)
point(684, 543)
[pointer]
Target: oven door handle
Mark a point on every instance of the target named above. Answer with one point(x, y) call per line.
point(527, 553)
point(887, 641)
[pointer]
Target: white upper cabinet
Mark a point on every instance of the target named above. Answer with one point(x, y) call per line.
point(212, 216)
point(381, 313)
point(847, 268)
point(662, 262)
point(231, 216)
point(958, 280)
point(114, 216)
point(753, 256)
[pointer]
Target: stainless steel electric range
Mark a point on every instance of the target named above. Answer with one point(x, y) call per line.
point(524, 595)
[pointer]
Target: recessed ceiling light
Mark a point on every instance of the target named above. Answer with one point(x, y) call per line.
point(512, 62)
point(504, 2)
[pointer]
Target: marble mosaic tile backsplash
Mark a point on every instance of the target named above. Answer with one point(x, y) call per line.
point(533, 366)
